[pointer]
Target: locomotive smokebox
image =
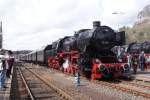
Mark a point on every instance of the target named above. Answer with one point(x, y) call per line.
point(96, 24)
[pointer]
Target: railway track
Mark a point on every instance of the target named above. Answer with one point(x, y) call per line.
point(39, 88)
point(123, 87)
point(137, 84)
point(126, 88)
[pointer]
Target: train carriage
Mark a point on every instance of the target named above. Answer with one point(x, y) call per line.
point(41, 54)
point(29, 57)
point(34, 56)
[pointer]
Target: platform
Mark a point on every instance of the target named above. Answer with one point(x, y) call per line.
point(5, 94)
point(142, 75)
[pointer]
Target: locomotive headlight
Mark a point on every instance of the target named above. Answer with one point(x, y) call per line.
point(102, 68)
point(126, 68)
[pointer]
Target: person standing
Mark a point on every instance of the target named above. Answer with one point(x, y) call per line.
point(129, 60)
point(134, 63)
point(77, 78)
point(77, 74)
point(119, 54)
point(142, 61)
point(2, 72)
point(7, 60)
point(10, 61)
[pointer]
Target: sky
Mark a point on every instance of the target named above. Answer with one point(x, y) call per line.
point(31, 24)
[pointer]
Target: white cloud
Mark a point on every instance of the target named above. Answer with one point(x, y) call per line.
point(30, 24)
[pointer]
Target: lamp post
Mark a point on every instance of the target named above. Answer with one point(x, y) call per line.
point(118, 13)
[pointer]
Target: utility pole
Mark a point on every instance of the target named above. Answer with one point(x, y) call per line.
point(1, 37)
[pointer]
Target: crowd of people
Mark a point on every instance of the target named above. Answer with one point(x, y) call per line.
point(136, 61)
point(6, 63)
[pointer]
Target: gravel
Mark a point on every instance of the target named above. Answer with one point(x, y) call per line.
point(87, 90)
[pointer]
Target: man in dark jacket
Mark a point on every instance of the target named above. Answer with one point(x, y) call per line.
point(134, 63)
point(9, 61)
point(142, 61)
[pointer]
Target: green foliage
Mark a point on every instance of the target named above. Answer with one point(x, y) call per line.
point(137, 33)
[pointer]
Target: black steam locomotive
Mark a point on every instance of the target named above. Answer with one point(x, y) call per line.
point(89, 51)
point(139, 47)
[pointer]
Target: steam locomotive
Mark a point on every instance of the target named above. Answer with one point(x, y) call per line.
point(135, 50)
point(139, 47)
point(88, 51)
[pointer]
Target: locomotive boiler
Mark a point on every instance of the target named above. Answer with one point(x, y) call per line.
point(100, 38)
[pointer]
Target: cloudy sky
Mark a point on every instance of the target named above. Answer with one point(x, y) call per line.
point(31, 24)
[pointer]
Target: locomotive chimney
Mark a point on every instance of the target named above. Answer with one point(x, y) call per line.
point(96, 24)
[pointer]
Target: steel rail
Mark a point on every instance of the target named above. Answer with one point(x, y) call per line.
point(26, 86)
point(136, 84)
point(58, 90)
point(128, 90)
